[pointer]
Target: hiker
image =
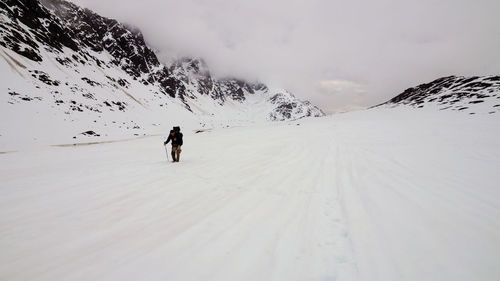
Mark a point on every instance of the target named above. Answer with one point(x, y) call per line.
point(176, 137)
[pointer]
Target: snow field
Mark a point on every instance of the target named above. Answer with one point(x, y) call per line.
point(371, 195)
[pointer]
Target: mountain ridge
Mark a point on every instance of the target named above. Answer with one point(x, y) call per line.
point(89, 73)
point(473, 94)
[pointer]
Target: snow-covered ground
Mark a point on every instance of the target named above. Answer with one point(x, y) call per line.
point(371, 195)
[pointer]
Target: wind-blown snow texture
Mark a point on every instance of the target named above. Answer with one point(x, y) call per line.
point(66, 71)
point(384, 194)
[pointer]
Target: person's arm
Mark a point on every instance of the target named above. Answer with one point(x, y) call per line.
point(168, 139)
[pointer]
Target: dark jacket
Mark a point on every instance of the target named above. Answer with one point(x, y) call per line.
point(176, 139)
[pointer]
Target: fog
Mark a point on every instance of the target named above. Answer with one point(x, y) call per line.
point(341, 55)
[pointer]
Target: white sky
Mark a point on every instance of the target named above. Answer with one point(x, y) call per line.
point(341, 55)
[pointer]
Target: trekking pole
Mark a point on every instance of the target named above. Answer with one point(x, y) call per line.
point(166, 151)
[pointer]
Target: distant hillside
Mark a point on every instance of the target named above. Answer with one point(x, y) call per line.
point(468, 94)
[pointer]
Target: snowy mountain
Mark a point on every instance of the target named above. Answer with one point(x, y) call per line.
point(93, 77)
point(468, 94)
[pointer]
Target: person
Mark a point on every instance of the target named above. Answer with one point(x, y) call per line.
point(176, 137)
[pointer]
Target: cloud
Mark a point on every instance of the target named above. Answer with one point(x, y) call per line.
point(347, 94)
point(336, 87)
point(381, 46)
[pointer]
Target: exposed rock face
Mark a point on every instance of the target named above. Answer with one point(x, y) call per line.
point(42, 26)
point(127, 47)
point(288, 106)
point(469, 94)
point(109, 63)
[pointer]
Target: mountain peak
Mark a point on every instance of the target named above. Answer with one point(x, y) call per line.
point(88, 71)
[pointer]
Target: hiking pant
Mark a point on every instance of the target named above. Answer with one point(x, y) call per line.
point(176, 153)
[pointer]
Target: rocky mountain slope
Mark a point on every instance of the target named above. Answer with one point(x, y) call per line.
point(69, 72)
point(468, 94)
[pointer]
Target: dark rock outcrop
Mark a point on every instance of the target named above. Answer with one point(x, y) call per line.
point(453, 93)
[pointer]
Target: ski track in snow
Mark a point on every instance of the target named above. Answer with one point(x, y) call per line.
point(360, 196)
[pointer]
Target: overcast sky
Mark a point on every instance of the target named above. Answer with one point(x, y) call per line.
point(341, 55)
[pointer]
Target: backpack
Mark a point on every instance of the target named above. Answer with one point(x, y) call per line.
point(178, 134)
point(179, 139)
